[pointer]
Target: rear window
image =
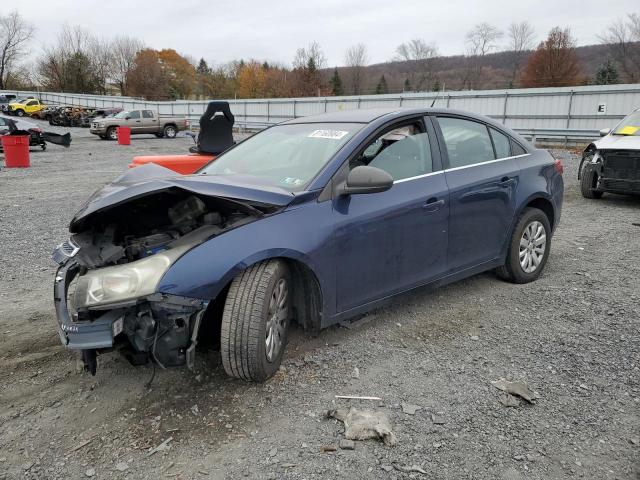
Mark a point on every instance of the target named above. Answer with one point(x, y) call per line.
point(501, 143)
point(517, 149)
point(467, 142)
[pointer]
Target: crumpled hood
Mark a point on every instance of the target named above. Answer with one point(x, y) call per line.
point(151, 178)
point(618, 142)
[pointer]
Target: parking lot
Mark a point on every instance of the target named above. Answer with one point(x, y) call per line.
point(572, 337)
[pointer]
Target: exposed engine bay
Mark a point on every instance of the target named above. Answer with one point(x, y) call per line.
point(105, 289)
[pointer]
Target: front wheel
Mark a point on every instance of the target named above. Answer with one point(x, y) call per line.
point(589, 184)
point(20, 113)
point(528, 248)
point(170, 131)
point(112, 133)
point(255, 321)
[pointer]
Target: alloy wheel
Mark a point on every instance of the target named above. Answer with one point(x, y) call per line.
point(532, 246)
point(277, 319)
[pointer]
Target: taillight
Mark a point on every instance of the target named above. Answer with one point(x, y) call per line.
point(559, 167)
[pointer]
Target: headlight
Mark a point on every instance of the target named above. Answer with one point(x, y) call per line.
point(124, 282)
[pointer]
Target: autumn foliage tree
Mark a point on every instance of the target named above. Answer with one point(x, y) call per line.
point(554, 63)
point(147, 78)
point(180, 73)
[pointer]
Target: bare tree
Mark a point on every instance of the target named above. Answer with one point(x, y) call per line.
point(123, 51)
point(421, 57)
point(356, 59)
point(521, 36)
point(416, 49)
point(306, 65)
point(15, 33)
point(623, 38)
point(480, 41)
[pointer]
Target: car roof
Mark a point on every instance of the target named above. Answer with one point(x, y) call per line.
point(371, 114)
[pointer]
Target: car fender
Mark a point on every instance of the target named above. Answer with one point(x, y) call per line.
point(203, 273)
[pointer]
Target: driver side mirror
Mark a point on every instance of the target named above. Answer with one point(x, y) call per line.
point(604, 132)
point(366, 179)
point(127, 118)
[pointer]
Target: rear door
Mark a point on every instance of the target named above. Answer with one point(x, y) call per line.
point(149, 121)
point(482, 177)
point(395, 240)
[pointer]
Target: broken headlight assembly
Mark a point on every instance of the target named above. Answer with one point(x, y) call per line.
point(121, 283)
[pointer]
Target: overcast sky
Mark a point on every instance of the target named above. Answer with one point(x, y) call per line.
point(224, 30)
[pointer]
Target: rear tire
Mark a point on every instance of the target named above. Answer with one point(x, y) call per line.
point(528, 241)
point(170, 131)
point(255, 321)
point(588, 182)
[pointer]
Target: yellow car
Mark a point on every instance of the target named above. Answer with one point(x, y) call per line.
point(25, 106)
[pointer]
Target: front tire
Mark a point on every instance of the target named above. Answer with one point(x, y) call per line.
point(588, 184)
point(112, 133)
point(255, 321)
point(528, 248)
point(20, 113)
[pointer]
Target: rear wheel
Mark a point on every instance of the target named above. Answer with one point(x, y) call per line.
point(170, 131)
point(589, 183)
point(528, 248)
point(112, 133)
point(255, 321)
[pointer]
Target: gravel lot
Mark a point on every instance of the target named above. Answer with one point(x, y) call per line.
point(572, 336)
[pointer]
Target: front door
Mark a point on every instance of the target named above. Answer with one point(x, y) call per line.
point(482, 191)
point(391, 241)
point(135, 122)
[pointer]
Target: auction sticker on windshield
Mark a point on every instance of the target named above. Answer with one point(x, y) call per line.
point(330, 134)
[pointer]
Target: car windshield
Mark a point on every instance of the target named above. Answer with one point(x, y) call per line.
point(23, 100)
point(287, 156)
point(122, 114)
point(629, 126)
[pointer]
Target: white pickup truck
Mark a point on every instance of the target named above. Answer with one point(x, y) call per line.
point(140, 121)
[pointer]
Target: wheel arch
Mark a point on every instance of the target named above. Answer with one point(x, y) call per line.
point(308, 297)
point(542, 203)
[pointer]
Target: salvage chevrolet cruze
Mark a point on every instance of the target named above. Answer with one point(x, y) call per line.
point(314, 220)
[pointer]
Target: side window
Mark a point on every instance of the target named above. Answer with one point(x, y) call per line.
point(32, 103)
point(147, 114)
point(403, 152)
point(517, 149)
point(134, 114)
point(467, 141)
point(501, 142)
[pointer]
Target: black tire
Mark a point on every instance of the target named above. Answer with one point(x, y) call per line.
point(19, 113)
point(102, 137)
point(159, 135)
point(43, 146)
point(170, 131)
point(112, 133)
point(243, 333)
point(588, 182)
point(512, 270)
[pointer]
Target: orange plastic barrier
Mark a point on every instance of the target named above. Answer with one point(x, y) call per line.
point(184, 164)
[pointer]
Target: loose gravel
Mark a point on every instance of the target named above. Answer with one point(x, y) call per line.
point(431, 356)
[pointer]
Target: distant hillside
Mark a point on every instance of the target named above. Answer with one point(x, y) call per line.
point(452, 71)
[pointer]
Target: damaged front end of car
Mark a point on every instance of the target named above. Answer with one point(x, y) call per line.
point(106, 286)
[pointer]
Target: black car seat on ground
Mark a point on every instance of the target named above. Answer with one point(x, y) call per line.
point(216, 129)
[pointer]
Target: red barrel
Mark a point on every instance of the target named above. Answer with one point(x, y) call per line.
point(16, 150)
point(124, 135)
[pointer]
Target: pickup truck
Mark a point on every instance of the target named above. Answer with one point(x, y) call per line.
point(140, 121)
point(25, 106)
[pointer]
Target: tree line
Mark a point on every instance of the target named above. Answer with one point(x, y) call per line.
point(80, 62)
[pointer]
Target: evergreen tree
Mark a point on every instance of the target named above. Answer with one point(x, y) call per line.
point(407, 86)
point(436, 86)
point(203, 68)
point(336, 84)
point(382, 87)
point(607, 74)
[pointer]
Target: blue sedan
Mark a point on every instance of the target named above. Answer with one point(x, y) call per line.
point(314, 220)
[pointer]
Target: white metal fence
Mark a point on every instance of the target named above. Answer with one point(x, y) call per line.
point(567, 108)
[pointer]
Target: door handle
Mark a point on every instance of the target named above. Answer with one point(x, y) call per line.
point(433, 205)
point(507, 181)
